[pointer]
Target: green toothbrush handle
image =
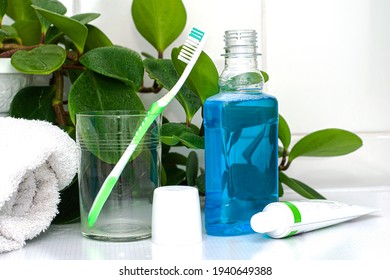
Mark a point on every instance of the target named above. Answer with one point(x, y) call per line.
point(114, 175)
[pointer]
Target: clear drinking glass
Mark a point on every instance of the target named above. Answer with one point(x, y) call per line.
point(103, 137)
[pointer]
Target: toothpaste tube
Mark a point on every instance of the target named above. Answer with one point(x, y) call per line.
point(286, 218)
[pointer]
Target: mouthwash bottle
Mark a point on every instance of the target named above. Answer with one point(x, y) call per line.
point(241, 141)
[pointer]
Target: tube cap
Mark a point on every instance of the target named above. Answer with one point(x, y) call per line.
point(267, 221)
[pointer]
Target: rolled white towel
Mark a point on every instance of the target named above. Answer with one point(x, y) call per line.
point(37, 160)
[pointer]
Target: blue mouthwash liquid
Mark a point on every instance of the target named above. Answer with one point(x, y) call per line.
point(241, 161)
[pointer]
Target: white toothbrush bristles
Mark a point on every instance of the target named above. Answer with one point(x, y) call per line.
point(190, 45)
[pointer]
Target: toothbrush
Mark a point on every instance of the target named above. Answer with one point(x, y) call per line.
point(189, 54)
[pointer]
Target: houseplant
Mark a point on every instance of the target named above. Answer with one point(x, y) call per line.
point(104, 76)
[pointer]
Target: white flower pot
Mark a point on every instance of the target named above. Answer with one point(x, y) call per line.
point(11, 81)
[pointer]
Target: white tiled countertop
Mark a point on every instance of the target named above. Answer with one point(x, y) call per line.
point(365, 238)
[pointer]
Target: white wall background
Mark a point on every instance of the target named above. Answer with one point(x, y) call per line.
point(328, 61)
point(329, 64)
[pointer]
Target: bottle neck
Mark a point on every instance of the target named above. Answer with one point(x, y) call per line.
point(241, 71)
point(241, 74)
point(241, 62)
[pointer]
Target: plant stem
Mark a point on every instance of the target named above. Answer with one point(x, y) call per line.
point(7, 50)
point(57, 101)
point(43, 38)
point(7, 47)
point(73, 66)
point(155, 88)
point(73, 56)
point(284, 164)
point(201, 131)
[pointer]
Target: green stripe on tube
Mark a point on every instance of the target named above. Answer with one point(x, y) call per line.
point(296, 214)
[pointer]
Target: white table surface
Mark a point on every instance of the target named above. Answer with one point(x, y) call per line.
point(365, 238)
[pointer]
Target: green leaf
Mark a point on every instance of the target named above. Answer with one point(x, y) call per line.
point(164, 73)
point(265, 76)
point(53, 34)
point(174, 133)
point(3, 34)
point(74, 74)
point(3, 9)
point(147, 55)
point(326, 143)
point(280, 151)
point(29, 31)
point(21, 10)
point(281, 190)
point(75, 30)
point(203, 79)
point(201, 184)
point(163, 176)
point(175, 176)
point(94, 34)
point(26, 21)
point(173, 159)
point(50, 5)
point(191, 140)
point(86, 18)
point(41, 60)
point(160, 22)
point(247, 78)
point(115, 62)
point(169, 132)
point(195, 129)
point(299, 187)
point(11, 32)
point(34, 103)
point(96, 38)
point(284, 133)
point(94, 92)
point(192, 167)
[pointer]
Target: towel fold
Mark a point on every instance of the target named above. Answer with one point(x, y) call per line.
point(37, 160)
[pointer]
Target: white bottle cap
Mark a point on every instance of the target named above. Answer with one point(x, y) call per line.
point(267, 221)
